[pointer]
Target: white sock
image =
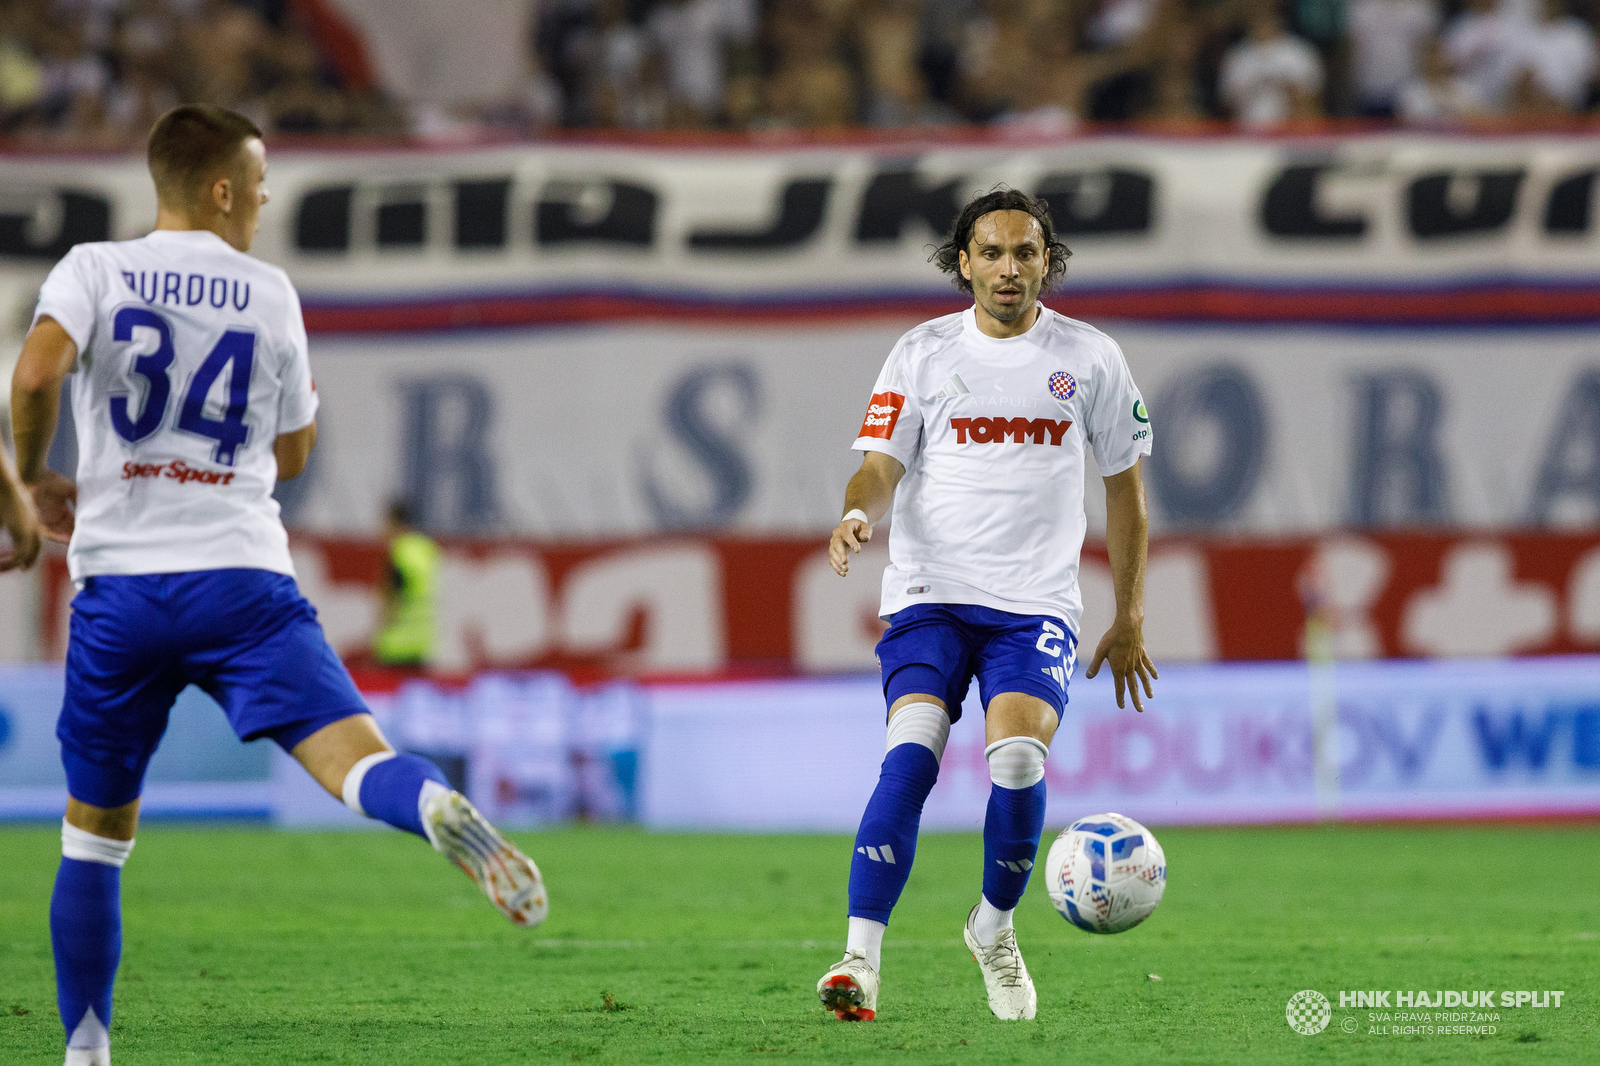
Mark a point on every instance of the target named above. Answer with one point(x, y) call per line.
point(866, 938)
point(990, 922)
point(84, 846)
point(919, 723)
point(358, 773)
point(1016, 762)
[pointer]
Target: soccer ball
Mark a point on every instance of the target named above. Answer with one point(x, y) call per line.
point(1105, 873)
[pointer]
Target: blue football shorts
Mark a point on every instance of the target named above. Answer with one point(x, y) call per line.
point(938, 648)
point(245, 637)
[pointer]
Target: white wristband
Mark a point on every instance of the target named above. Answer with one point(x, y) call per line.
point(858, 514)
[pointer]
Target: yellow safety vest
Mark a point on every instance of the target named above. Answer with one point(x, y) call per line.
point(408, 638)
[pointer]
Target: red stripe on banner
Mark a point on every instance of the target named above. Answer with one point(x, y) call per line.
point(1508, 304)
point(750, 607)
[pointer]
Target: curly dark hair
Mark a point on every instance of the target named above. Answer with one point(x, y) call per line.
point(947, 257)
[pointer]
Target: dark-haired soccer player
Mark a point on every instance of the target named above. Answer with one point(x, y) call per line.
point(977, 433)
point(192, 396)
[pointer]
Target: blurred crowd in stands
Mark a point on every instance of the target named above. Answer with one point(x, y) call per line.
point(88, 72)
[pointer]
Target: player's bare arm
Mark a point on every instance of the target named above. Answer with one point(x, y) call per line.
point(47, 358)
point(1127, 542)
point(293, 451)
point(18, 518)
point(870, 491)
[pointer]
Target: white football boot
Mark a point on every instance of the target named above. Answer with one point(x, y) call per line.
point(507, 876)
point(850, 989)
point(1005, 975)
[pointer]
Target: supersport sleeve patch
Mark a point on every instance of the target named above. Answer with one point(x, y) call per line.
point(883, 411)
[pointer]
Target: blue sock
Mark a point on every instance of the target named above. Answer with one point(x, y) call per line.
point(887, 840)
point(1011, 830)
point(86, 935)
point(391, 788)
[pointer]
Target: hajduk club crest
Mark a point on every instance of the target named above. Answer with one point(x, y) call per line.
point(1062, 387)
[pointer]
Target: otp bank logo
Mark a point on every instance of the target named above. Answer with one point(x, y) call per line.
point(1020, 430)
point(882, 413)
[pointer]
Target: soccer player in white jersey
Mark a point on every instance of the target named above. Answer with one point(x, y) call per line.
point(977, 434)
point(192, 395)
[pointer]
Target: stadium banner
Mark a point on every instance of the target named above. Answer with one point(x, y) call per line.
point(1222, 744)
point(1382, 227)
point(528, 749)
point(200, 771)
point(626, 431)
point(633, 430)
point(734, 606)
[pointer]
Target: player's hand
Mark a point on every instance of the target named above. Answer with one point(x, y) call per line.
point(56, 497)
point(1123, 647)
point(21, 521)
point(848, 536)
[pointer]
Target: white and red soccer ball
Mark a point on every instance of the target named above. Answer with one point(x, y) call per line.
point(1105, 873)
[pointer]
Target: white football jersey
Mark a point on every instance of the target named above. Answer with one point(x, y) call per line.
point(191, 361)
point(993, 435)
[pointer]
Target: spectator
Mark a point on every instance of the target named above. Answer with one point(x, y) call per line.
point(989, 84)
point(73, 81)
point(888, 37)
point(1435, 93)
point(300, 101)
point(143, 44)
point(1271, 76)
point(535, 100)
point(602, 63)
point(647, 106)
point(810, 86)
point(143, 95)
point(1386, 36)
point(1552, 63)
point(1478, 45)
point(695, 38)
point(1061, 78)
point(1175, 87)
point(1118, 23)
point(21, 73)
point(1124, 77)
point(222, 54)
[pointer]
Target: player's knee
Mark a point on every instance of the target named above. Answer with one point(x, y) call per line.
point(84, 846)
point(920, 723)
point(1016, 762)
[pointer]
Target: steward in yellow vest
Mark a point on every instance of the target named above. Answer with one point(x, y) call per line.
point(407, 633)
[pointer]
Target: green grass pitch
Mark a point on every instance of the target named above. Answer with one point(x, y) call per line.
point(260, 947)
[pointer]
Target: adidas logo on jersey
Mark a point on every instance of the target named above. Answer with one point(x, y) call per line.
point(1020, 430)
point(882, 853)
point(955, 387)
